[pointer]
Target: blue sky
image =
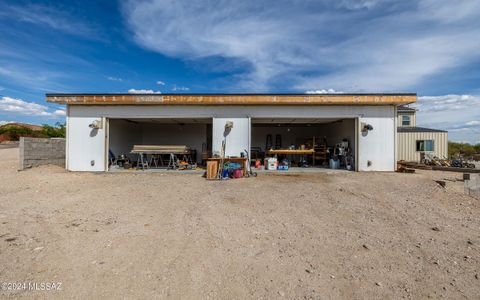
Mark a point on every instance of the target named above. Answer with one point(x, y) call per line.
point(431, 47)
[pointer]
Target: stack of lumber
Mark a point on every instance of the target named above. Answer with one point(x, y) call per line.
point(161, 149)
point(415, 165)
point(403, 169)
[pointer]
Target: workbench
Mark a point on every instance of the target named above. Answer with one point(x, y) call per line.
point(293, 152)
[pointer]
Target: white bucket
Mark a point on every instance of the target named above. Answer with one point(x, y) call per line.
point(334, 164)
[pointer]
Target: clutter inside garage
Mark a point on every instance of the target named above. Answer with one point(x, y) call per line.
point(276, 145)
point(176, 144)
point(280, 144)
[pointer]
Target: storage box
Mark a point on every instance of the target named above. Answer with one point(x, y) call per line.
point(212, 169)
point(271, 163)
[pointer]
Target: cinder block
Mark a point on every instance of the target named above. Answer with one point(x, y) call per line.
point(40, 151)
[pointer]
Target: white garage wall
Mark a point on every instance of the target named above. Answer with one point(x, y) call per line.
point(345, 129)
point(191, 135)
point(378, 146)
point(86, 146)
point(123, 135)
point(236, 141)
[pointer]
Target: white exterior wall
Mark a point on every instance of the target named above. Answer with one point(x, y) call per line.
point(378, 146)
point(123, 135)
point(236, 141)
point(85, 145)
point(192, 136)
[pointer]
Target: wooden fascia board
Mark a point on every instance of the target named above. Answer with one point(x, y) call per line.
point(232, 99)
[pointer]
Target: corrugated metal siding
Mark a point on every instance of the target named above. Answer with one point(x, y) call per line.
point(406, 146)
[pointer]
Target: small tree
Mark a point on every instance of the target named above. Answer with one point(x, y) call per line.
point(53, 131)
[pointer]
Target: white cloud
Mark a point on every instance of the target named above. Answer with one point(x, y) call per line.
point(3, 122)
point(448, 103)
point(357, 4)
point(20, 107)
point(160, 82)
point(180, 88)
point(111, 78)
point(473, 123)
point(329, 91)
point(450, 112)
point(134, 91)
point(59, 112)
point(48, 16)
point(380, 46)
point(32, 77)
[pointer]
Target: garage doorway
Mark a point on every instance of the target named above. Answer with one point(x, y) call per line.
point(329, 138)
point(194, 134)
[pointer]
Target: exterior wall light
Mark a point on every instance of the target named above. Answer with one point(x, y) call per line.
point(366, 127)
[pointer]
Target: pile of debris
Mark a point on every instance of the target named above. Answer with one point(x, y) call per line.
point(430, 162)
point(443, 162)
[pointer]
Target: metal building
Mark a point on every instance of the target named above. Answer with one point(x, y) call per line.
point(413, 142)
point(99, 123)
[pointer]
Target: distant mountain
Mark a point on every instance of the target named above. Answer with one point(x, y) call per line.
point(13, 131)
point(25, 125)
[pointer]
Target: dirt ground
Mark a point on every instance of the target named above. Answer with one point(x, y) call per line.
point(319, 236)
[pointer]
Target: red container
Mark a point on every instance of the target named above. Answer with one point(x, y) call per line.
point(237, 173)
point(258, 164)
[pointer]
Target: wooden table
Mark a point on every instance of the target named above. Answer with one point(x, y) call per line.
point(293, 152)
point(232, 159)
point(287, 152)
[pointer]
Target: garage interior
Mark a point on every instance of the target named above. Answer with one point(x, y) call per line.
point(329, 138)
point(124, 134)
point(290, 142)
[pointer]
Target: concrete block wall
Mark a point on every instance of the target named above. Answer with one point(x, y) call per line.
point(41, 151)
point(472, 186)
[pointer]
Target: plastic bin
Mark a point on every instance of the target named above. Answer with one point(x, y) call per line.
point(334, 163)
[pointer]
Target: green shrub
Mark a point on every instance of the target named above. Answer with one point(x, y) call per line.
point(462, 149)
point(14, 132)
point(53, 131)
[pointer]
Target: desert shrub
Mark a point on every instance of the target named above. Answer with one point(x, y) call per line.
point(15, 132)
point(462, 149)
point(53, 131)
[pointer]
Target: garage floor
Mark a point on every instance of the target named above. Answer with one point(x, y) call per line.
point(293, 170)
